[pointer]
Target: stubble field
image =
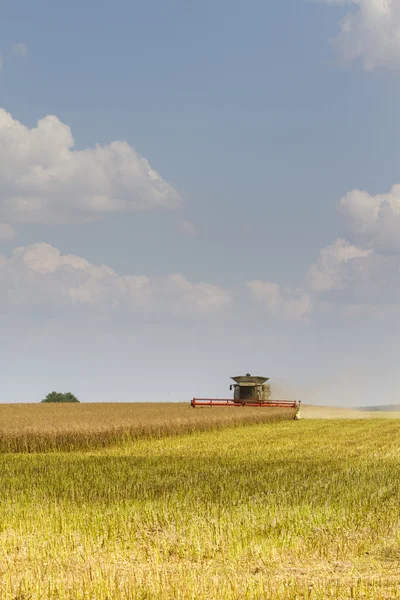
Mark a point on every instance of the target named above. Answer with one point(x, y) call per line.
point(278, 510)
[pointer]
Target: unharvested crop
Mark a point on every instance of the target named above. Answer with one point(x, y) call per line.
point(54, 427)
point(287, 510)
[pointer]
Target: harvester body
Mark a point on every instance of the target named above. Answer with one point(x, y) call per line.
point(247, 391)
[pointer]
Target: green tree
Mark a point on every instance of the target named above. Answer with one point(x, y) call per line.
point(60, 397)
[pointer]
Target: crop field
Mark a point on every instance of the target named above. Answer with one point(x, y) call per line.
point(274, 510)
point(55, 427)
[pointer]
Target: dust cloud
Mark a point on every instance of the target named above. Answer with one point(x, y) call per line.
point(319, 402)
point(309, 411)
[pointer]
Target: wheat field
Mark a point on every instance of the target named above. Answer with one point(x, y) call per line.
point(55, 427)
point(276, 510)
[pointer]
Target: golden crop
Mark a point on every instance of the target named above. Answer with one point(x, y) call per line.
point(49, 427)
point(278, 511)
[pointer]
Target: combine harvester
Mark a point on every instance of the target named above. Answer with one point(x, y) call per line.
point(249, 391)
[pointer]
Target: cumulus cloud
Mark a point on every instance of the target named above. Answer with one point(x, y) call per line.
point(375, 219)
point(338, 265)
point(282, 301)
point(7, 232)
point(343, 275)
point(39, 275)
point(19, 49)
point(358, 278)
point(370, 31)
point(43, 179)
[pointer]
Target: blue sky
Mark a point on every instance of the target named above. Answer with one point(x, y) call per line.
point(208, 192)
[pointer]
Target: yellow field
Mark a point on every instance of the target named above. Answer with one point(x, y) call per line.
point(285, 510)
point(46, 427)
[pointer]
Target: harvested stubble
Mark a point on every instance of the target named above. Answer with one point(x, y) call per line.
point(68, 427)
point(287, 511)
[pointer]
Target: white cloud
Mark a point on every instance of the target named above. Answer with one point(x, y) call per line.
point(370, 31)
point(293, 303)
point(20, 49)
point(375, 219)
point(39, 275)
point(353, 278)
point(7, 232)
point(338, 265)
point(343, 275)
point(44, 180)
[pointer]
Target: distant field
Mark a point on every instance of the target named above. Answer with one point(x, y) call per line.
point(45, 427)
point(275, 511)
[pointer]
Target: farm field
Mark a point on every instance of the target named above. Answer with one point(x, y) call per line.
point(47, 427)
point(281, 510)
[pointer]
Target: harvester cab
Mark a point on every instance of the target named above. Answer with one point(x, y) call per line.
point(249, 390)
